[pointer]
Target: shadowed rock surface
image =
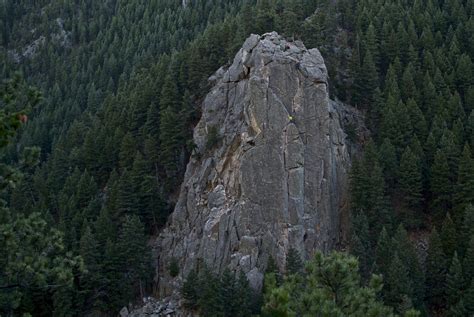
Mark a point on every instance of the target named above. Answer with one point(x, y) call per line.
point(270, 170)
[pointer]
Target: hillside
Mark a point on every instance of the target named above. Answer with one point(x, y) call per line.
point(123, 87)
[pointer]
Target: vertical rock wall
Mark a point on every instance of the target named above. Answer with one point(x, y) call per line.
point(278, 175)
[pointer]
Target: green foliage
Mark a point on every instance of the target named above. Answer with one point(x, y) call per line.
point(190, 290)
point(116, 121)
point(227, 294)
point(410, 184)
point(351, 132)
point(448, 236)
point(436, 268)
point(173, 267)
point(331, 287)
point(34, 256)
point(398, 288)
point(294, 264)
point(454, 284)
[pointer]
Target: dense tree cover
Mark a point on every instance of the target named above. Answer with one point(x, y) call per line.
point(331, 286)
point(34, 259)
point(109, 156)
point(123, 80)
point(413, 77)
point(227, 295)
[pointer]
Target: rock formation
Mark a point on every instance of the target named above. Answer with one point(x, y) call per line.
point(271, 166)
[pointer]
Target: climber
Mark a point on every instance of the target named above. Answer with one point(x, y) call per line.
point(290, 117)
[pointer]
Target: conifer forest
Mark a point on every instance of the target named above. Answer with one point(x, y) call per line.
point(99, 101)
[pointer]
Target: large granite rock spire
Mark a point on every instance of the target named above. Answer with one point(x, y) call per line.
point(271, 166)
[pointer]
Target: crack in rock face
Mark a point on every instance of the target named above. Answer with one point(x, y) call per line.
point(277, 179)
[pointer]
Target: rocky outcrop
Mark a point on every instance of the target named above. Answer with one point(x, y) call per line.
point(271, 166)
point(151, 307)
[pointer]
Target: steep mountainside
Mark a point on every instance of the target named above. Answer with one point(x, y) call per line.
point(270, 170)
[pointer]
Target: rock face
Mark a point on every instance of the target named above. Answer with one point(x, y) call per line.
point(271, 166)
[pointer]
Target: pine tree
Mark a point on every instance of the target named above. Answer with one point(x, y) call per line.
point(169, 127)
point(397, 288)
point(366, 82)
point(368, 192)
point(361, 243)
point(127, 151)
point(383, 253)
point(127, 201)
point(454, 282)
point(294, 264)
point(448, 236)
point(410, 184)
point(468, 262)
point(450, 146)
point(147, 197)
point(209, 300)
point(469, 299)
point(465, 230)
point(464, 194)
point(418, 121)
point(105, 229)
point(113, 290)
point(389, 162)
point(272, 268)
point(440, 184)
point(458, 309)
point(331, 287)
point(402, 244)
point(436, 268)
point(408, 87)
point(265, 18)
point(190, 290)
point(228, 305)
point(137, 257)
point(371, 44)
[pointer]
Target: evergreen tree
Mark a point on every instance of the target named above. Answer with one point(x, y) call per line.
point(190, 290)
point(409, 257)
point(468, 262)
point(465, 229)
point(410, 183)
point(265, 17)
point(294, 264)
point(227, 294)
point(272, 269)
point(397, 288)
point(436, 268)
point(457, 310)
point(469, 299)
point(361, 243)
point(388, 159)
point(137, 257)
point(464, 194)
point(448, 236)
point(91, 280)
point(454, 283)
point(169, 129)
point(366, 82)
point(440, 184)
point(209, 299)
point(332, 288)
point(383, 253)
point(127, 151)
point(127, 202)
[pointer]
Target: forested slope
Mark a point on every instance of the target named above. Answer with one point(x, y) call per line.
point(122, 83)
